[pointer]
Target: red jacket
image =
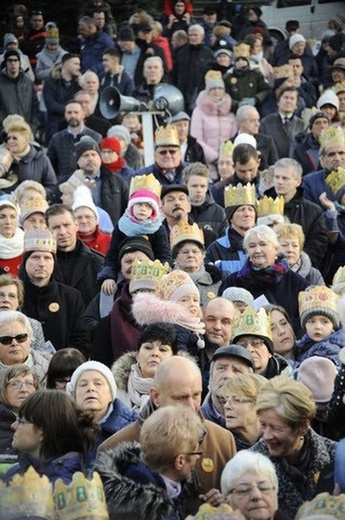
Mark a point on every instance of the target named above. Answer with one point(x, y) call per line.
point(98, 240)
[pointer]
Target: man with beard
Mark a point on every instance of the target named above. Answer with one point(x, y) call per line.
point(61, 149)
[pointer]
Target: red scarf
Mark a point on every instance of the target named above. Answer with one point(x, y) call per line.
point(115, 166)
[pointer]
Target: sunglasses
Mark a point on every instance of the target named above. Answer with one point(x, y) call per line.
point(7, 340)
point(165, 152)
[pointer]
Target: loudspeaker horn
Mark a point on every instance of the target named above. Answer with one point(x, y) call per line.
point(169, 98)
point(112, 102)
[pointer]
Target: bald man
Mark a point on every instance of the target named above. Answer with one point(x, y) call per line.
point(178, 382)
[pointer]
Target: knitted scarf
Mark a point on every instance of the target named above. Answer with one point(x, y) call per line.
point(133, 227)
point(271, 274)
point(115, 166)
point(12, 247)
point(138, 387)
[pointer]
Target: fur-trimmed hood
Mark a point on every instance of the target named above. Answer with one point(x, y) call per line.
point(131, 488)
point(210, 108)
point(121, 369)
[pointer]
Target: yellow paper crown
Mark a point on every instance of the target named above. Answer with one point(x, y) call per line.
point(146, 274)
point(307, 114)
point(319, 298)
point(285, 71)
point(166, 136)
point(331, 135)
point(175, 285)
point(339, 277)
point(52, 33)
point(82, 498)
point(33, 205)
point(240, 195)
point(241, 51)
point(339, 87)
point(323, 505)
point(269, 206)
point(185, 231)
point(145, 182)
point(336, 180)
point(207, 511)
point(39, 240)
point(252, 323)
point(212, 75)
point(27, 495)
point(226, 149)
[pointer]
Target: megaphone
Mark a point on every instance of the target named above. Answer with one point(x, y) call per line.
point(111, 102)
point(168, 98)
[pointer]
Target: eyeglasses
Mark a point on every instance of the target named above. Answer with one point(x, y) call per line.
point(233, 401)
point(7, 340)
point(166, 152)
point(253, 342)
point(18, 384)
point(244, 490)
point(21, 421)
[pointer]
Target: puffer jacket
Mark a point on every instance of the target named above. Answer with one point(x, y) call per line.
point(328, 348)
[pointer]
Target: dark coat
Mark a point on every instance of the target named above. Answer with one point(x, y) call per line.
point(131, 488)
point(114, 194)
point(7, 418)
point(306, 152)
point(210, 215)
point(122, 81)
point(246, 83)
point(79, 269)
point(194, 152)
point(227, 252)
point(158, 173)
point(272, 125)
point(310, 216)
point(336, 415)
point(63, 324)
point(146, 51)
point(314, 184)
point(300, 483)
point(18, 96)
point(91, 50)
point(266, 146)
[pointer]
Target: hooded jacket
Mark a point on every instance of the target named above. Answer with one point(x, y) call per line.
point(18, 96)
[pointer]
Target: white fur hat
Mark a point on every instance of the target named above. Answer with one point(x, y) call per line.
point(92, 365)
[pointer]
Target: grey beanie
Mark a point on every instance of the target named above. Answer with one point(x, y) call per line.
point(86, 143)
point(121, 132)
point(238, 294)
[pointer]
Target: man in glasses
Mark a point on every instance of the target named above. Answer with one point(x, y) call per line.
point(17, 91)
point(168, 165)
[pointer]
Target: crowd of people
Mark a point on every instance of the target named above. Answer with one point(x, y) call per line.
point(172, 339)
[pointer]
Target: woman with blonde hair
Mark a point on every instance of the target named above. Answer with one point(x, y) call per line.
point(285, 408)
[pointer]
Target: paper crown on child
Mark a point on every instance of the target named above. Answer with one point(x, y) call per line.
point(318, 300)
point(39, 240)
point(269, 206)
point(145, 182)
point(240, 195)
point(252, 323)
point(82, 498)
point(166, 136)
point(184, 231)
point(213, 79)
point(331, 135)
point(33, 205)
point(241, 51)
point(283, 72)
point(27, 495)
point(226, 149)
point(175, 286)
point(323, 505)
point(145, 274)
point(336, 180)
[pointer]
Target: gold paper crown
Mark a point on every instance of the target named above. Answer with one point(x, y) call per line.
point(52, 33)
point(175, 285)
point(39, 240)
point(33, 205)
point(212, 75)
point(185, 231)
point(240, 195)
point(307, 114)
point(318, 297)
point(82, 498)
point(269, 206)
point(145, 182)
point(146, 274)
point(226, 149)
point(167, 136)
point(285, 71)
point(339, 277)
point(323, 505)
point(331, 135)
point(339, 87)
point(336, 180)
point(252, 323)
point(241, 51)
point(27, 495)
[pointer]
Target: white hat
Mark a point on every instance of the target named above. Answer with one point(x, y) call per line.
point(83, 199)
point(296, 38)
point(98, 367)
point(245, 139)
point(328, 98)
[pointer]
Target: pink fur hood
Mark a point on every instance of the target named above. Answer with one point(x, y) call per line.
point(210, 108)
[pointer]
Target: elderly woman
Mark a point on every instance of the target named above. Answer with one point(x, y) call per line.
point(238, 396)
point(266, 272)
point(212, 122)
point(15, 344)
point(285, 408)
point(188, 252)
point(250, 483)
point(16, 384)
point(11, 238)
point(283, 336)
point(29, 160)
point(93, 388)
point(128, 151)
point(291, 239)
point(112, 159)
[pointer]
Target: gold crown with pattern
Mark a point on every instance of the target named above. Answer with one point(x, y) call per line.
point(331, 135)
point(145, 182)
point(323, 505)
point(82, 498)
point(339, 87)
point(252, 323)
point(145, 274)
point(241, 51)
point(174, 285)
point(212, 75)
point(185, 231)
point(269, 206)
point(27, 495)
point(166, 136)
point(39, 240)
point(285, 71)
point(240, 195)
point(318, 297)
point(226, 149)
point(336, 180)
point(33, 205)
